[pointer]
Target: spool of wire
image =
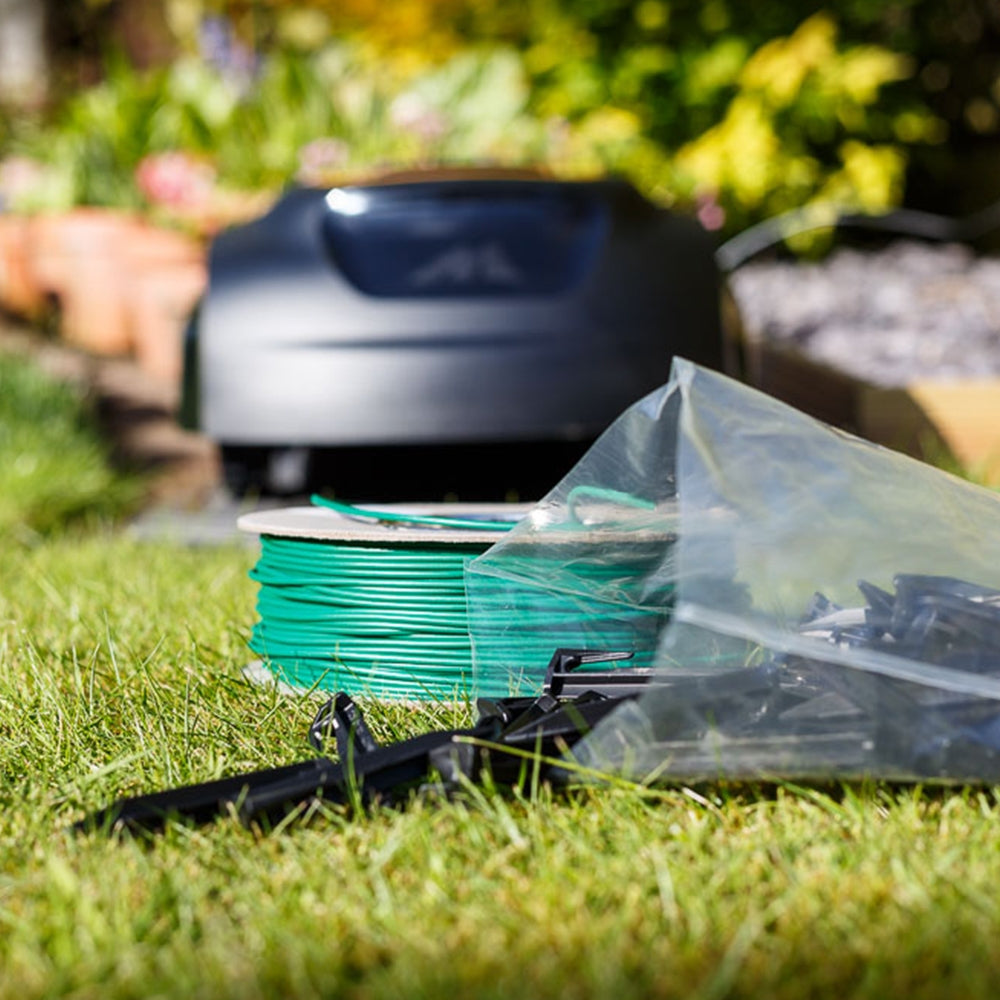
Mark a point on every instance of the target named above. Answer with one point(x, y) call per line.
point(374, 602)
point(598, 577)
point(370, 606)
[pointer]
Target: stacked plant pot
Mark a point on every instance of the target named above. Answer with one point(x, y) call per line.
point(120, 285)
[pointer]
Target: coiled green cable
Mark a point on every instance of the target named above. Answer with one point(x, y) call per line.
point(396, 517)
point(392, 621)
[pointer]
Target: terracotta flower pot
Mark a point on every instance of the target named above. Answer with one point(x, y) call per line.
point(20, 292)
point(78, 258)
point(167, 273)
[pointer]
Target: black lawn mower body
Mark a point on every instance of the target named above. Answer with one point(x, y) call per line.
point(430, 314)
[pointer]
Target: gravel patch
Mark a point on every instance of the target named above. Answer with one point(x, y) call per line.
point(910, 311)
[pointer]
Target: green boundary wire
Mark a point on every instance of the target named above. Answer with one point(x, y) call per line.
point(422, 520)
point(392, 621)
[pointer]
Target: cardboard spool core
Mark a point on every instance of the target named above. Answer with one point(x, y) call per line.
point(323, 524)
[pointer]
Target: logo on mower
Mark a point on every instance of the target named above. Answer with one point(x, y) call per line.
point(488, 264)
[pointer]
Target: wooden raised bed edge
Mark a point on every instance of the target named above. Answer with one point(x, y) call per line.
point(951, 423)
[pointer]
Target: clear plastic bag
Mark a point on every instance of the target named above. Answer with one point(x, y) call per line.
point(814, 605)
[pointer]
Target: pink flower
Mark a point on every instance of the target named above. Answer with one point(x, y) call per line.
point(19, 177)
point(319, 159)
point(710, 213)
point(412, 114)
point(175, 180)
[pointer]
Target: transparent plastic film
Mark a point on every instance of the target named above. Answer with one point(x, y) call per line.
point(591, 566)
point(824, 607)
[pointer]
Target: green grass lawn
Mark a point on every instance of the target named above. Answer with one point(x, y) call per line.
point(53, 467)
point(120, 671)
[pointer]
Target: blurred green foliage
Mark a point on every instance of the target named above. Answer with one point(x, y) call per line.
point(53, 464)
point(742, 110)
point(315, 117)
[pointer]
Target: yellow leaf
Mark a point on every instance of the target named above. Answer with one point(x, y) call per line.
point(779, 67)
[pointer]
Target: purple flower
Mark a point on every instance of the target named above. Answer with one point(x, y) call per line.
point(223, 51)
